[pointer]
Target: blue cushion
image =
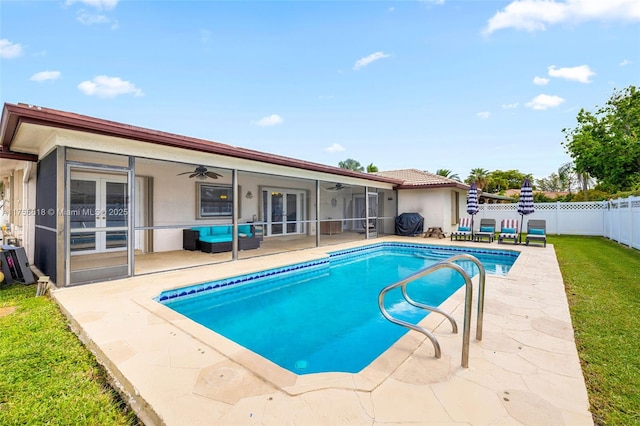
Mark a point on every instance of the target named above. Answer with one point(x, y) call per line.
point(508, 230)
point(203, 230)
point(534, 231)
point(217, 230)
point(220, 238)
point(244, 229)
point(486, 229)
point(464, 229)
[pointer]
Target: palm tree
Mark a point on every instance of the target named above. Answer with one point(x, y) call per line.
point(569, 174)
point(479, 176)
point(351, 164)
point(371, 168)
point(448, 174)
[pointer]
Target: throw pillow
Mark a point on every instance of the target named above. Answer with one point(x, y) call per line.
point(534, 231)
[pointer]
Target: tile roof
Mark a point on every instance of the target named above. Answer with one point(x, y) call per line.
point(414, 178)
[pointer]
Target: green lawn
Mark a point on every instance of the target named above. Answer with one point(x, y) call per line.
point(48, 377)
point(602, 281)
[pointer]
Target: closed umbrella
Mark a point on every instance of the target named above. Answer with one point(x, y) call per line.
point(525, 204)
point(472, 203)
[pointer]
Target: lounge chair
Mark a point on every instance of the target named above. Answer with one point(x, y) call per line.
point(536, 231)
point(508, 231)
point(487, 230)
point(464, 230)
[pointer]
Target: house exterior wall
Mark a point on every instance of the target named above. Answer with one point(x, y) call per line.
point(434, 204)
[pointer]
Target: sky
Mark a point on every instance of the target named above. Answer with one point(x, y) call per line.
point(430, 85)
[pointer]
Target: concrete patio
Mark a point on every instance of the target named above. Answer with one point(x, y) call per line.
point(175, 372)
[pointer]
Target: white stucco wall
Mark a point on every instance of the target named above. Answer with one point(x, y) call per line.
point(434, 205)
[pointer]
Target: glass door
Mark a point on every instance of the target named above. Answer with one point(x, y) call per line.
point(276, 211)
point(98, 221)
point(284, 211)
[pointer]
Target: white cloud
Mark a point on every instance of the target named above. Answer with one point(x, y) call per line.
point(625, 62)
point(336, 147)
point(580, 73)
point(98, 4)
point(535, 15)
point(484, 114)
point(542, 102)
point(269, 120)
point(9, 50)
point(103, 86)
point(88, 18)
point(363, 62)
point(45, 75)
point(540, 81)
point(510, 106)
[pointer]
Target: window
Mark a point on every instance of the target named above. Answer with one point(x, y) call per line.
point(214, 200)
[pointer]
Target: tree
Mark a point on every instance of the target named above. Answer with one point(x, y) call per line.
point(448, 174)
point(553, 183)
point(605, 144)
point(351, 164)
point(479, 176)
point(571, 177)
point(371, 168)
point(499, 180)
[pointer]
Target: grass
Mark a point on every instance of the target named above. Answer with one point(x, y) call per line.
point(602, 281)
point(46, 375)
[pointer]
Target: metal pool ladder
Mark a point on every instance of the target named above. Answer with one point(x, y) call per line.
point(448, 263)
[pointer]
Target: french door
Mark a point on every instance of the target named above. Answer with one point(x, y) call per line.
point(283, 211)
point(98, 223)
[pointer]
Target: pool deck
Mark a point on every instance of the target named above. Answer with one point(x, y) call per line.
point(524, 371)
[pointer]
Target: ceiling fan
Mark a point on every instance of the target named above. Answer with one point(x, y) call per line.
point(336, 187)
point(201, 173)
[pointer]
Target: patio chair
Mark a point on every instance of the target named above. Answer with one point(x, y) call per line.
point(508, 231)
point(464, 230)
point(487, 230)
point(536, 231)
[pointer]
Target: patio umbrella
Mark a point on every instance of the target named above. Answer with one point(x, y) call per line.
point(525, 204)
point(472, 203)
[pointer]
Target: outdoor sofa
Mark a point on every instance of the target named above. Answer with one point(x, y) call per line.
point(219, 238)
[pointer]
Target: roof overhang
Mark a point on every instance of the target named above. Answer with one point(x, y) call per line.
point(456, 185)
point(17, 116)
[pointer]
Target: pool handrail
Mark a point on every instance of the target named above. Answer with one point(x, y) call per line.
point(481, 286)
point(448, 263)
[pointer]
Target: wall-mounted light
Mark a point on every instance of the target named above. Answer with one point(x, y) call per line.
point(223, 196)
point(334, 202)
point(249, 195)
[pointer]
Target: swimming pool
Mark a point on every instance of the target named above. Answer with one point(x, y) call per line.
point(323, 315)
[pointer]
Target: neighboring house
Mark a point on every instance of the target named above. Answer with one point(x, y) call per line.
point(87, 197)
point(440, 200)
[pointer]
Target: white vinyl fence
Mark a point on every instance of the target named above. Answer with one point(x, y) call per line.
point(618, 219)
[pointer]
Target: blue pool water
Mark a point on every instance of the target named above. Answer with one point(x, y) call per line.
point(323, 316)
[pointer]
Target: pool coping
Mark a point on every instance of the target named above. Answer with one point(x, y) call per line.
point(168, 365)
